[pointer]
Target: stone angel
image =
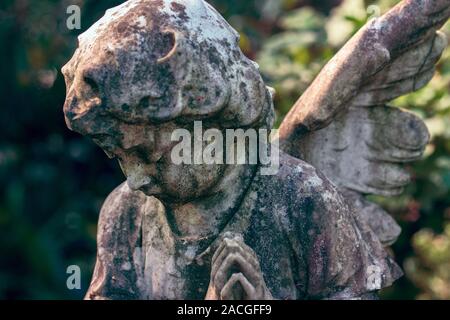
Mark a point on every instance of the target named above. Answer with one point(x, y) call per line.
point(224, 231)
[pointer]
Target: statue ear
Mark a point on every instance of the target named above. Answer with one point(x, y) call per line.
point(171, 40)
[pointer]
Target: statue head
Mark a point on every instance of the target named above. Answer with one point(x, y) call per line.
point(149, 67)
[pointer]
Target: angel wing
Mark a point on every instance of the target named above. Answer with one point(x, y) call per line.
point(342, 125)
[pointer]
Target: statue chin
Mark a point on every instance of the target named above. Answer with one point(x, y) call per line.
point(178, 196)
point(151, 190)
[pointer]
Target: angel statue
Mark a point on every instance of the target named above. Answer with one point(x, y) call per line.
point(226, 231)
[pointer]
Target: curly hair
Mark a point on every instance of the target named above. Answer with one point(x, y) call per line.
point(160, 60)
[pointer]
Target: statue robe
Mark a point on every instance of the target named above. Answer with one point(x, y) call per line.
point(310, 243)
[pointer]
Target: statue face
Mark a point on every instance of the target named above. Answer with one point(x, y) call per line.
point(144, 154)
point(148, 64)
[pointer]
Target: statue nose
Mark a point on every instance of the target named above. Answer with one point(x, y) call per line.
point(85, 95)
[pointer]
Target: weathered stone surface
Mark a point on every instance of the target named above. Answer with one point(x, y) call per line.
point(363, 149)
point(381, 223)
point(219, 231)
point(342, 124)
point(382, 49)
point(153, 61)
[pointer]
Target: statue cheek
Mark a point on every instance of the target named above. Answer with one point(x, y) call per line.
point(186, 181)
point(176, 179)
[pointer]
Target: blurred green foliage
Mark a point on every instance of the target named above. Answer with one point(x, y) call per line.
point(53, 182)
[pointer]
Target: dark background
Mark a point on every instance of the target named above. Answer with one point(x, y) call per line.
point(53, 181)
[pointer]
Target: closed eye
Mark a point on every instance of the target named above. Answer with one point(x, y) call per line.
point(100, 137)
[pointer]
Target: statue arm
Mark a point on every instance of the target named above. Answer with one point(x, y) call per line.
point(119, 263)
point(338, 255)
point(354, 263)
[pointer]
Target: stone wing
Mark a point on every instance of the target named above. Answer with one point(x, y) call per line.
point(342, 124)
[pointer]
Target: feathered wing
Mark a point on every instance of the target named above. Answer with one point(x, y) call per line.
point(342, 124)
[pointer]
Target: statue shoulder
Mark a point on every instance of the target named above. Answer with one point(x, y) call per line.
point(123, 209)
point(123, 197)
point(299, 180)
point(119, 241)
point(325, 231)
point(298, 194)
